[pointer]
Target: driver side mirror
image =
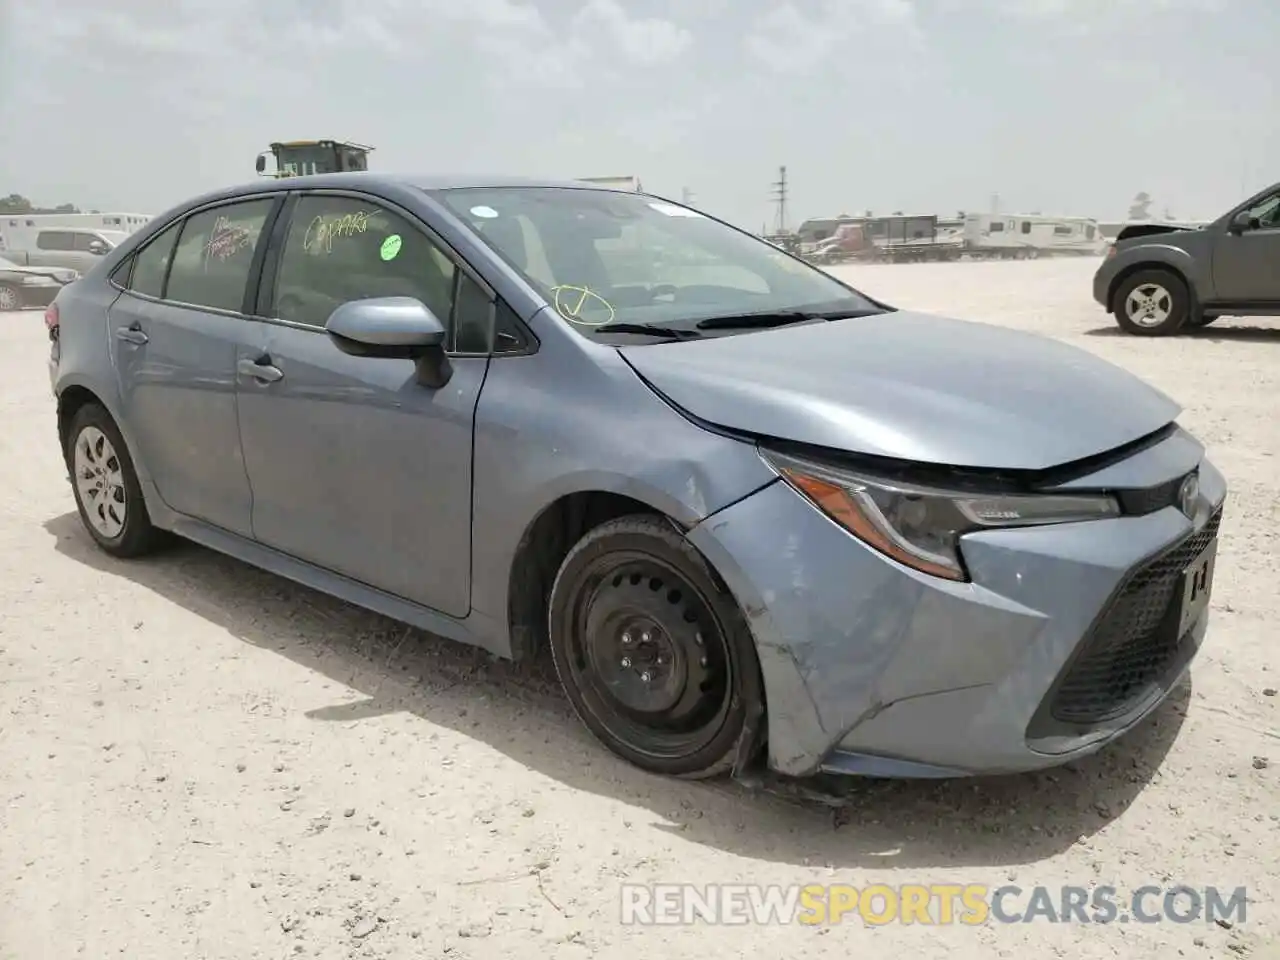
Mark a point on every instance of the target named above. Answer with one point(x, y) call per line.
point(97, 247)
point(261, 165)
point(1242, 222)
point(393, 328)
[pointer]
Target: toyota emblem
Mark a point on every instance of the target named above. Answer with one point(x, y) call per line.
point(1188, 494)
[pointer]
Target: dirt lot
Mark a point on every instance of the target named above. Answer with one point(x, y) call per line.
point(199, 760)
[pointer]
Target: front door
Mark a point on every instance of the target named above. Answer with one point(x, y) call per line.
point(176, 335)
point(355, 466)
point(1246, 266)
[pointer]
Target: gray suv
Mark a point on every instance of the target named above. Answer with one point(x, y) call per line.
point(1158, 280)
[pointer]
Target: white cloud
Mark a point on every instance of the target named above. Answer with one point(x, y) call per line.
point(795, 37)
point(1087, 12)
point(642, 40)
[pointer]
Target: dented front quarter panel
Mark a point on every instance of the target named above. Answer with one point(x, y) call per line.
point(550, 424)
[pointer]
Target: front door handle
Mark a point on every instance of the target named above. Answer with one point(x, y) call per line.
point(131, 334)
point(261, 369)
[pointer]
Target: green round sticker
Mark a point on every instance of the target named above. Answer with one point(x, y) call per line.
point(391, 247)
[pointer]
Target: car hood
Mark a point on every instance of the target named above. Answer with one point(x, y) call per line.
point(1136, 230)
point(910, 386)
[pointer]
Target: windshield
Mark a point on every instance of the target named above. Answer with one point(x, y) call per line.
point(603, 257)
point(305, 159)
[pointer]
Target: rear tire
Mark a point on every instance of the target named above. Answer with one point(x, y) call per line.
point(106, 487)
point(1152, 303)
point(10, 298)
point(655, 657)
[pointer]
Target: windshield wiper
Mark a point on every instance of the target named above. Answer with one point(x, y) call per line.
point(778, 318)
point(652, 329)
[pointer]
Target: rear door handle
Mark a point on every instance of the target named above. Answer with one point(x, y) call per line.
point(261, 370)
point(131, 334)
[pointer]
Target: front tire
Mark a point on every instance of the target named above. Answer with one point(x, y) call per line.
point(106, 485)
point(10, 298)
point(655, 657)
point(1152, 303)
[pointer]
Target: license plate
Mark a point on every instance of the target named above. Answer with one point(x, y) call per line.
point(1197, 580)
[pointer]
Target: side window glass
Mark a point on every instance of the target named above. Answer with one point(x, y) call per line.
point(340, 249)
point(54, 240)
point(472, 317)
point(1267, 213)
point(509, 334)
point(82, 241)
point(152, 262)
point(214, 253)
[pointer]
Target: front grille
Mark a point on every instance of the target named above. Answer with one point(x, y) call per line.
point(1133, 642)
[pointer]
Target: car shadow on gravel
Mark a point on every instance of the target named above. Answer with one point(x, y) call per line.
point(1215, 334)
point(521, 712)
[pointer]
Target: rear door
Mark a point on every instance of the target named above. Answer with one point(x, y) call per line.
point(177, 332)
point(1246, 266)
point(355, 466)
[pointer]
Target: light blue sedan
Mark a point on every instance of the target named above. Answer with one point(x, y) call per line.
point(755, 515)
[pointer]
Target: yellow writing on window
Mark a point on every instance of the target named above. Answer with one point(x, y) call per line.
point(322, 231)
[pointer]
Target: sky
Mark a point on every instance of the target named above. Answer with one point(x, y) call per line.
point(925, 106)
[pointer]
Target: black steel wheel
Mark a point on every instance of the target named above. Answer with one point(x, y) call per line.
point(655, 657)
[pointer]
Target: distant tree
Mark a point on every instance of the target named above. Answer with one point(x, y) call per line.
point(1140, 208)
point(17, 203)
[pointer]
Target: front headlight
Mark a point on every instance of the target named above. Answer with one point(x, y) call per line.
point(921, 526)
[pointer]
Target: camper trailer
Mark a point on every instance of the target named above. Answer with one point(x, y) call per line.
point(1024, 236)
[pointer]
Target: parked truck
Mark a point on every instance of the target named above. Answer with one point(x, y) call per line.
point(300, 158)
point(68, 248)
point(893, 239)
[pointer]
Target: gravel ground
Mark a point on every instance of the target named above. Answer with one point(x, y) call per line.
point(200, 760)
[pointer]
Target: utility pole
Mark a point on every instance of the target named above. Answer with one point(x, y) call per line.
point(686, 196)
point(995, 203)
point(780, 198)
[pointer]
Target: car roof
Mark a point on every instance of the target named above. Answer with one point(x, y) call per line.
point(367, 179)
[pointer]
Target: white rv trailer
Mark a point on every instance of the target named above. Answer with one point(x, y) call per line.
point(122, 222)
point(1019, 236)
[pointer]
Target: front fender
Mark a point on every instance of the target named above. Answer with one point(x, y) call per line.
point(1195, 270)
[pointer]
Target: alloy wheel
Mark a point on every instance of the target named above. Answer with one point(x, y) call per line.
point(99, 480)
